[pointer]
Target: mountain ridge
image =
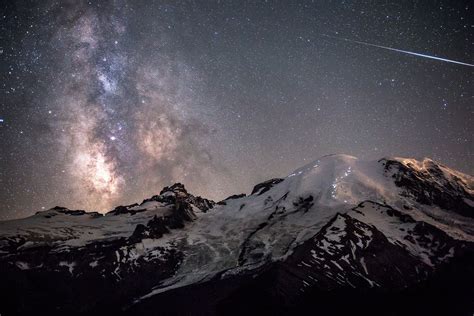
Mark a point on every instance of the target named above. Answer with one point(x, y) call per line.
point(337, 224)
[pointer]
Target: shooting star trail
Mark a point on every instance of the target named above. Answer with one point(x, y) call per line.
point(400, 51)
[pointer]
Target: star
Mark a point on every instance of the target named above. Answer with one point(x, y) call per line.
point(123, 99)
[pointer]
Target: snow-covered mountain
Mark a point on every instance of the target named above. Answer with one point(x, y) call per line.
point(339, 235)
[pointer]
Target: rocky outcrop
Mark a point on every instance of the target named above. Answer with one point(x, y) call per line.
point(430, 185)
point(263, 187)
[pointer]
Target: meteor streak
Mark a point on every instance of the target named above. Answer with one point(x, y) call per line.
point(400, 51)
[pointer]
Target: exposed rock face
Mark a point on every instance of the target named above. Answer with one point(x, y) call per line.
point(338, 236)
point(263, 187)
point(430, 184)
point(351, 251)
point(232, 197)
point(177, 192)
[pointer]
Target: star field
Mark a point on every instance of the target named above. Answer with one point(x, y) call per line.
point(105, 102)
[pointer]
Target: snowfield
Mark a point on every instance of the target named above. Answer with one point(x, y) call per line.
point(331, 212)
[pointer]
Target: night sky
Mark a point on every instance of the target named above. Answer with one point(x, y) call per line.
point(105, 102)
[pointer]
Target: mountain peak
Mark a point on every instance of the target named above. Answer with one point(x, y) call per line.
point(177, 188)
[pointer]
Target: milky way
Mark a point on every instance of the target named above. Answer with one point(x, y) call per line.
point(127, 119)
point(105, 102)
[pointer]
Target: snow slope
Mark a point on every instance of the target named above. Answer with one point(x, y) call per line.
point(289, 213)
point(332, 213)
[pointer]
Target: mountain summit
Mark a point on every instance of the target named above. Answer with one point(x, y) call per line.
point(340, 235)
